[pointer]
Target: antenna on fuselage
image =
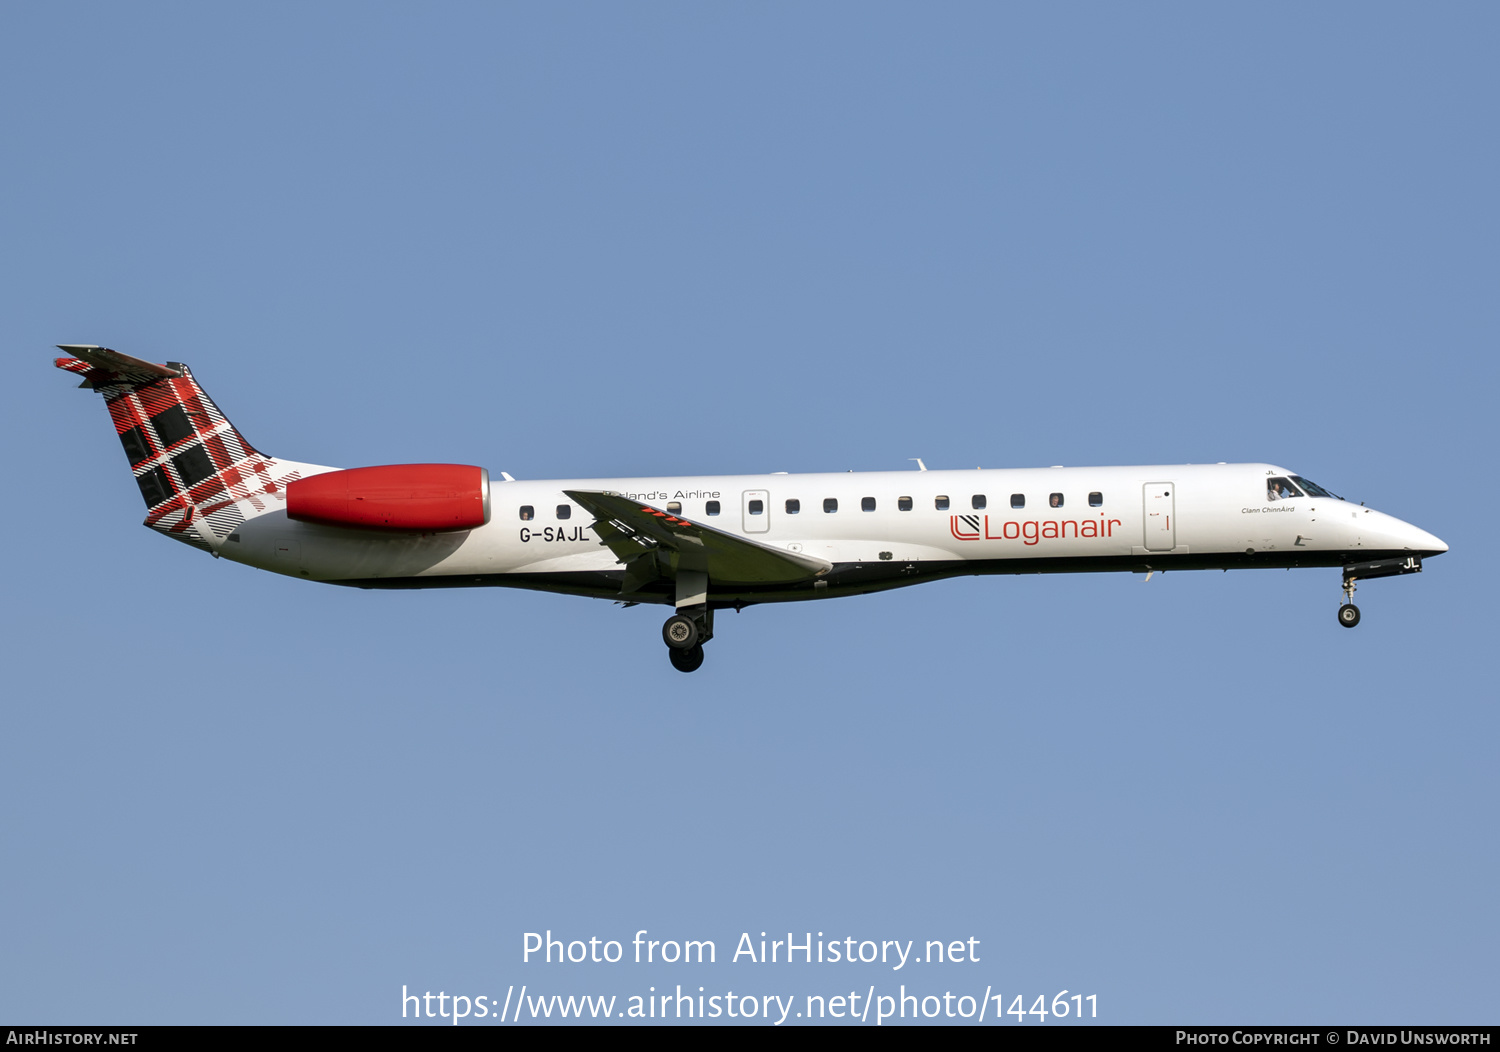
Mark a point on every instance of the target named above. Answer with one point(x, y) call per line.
point(920, 466)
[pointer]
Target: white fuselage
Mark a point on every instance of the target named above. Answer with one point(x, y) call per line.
point(879, 529)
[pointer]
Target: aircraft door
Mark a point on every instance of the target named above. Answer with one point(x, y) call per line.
point(1160, 513)
point(756, 510)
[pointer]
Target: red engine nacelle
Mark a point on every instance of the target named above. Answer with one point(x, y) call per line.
point(412, 497)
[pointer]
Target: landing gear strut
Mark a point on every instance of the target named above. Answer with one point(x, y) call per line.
point(1348, 613)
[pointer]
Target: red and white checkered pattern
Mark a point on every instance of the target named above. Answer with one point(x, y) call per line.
point(199, 476)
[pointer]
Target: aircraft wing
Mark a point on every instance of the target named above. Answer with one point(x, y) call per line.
point(652, 543)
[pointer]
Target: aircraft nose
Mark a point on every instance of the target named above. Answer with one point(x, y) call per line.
point(1417, 539)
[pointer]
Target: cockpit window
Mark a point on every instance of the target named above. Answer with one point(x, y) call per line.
point(1281, 489)
point(1313, 489)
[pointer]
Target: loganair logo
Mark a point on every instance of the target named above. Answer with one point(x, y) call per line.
point(1029, 531)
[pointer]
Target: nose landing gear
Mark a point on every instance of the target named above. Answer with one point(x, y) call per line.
point(1404, 564)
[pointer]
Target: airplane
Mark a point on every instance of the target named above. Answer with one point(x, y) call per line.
point(702, 544)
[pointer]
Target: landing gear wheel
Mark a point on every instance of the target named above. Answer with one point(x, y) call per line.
point(681, 633)
point(686, 660)
point(1348, 615)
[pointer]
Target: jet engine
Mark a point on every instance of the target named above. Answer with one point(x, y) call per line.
point(423, 498)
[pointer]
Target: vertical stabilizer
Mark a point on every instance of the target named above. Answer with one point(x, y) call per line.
point(199, 477)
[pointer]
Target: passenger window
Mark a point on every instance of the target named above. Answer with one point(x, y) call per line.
point(712, 507)
point(1055, 500)
point(830, 505)
point(940, 503)
point(757, 507)
point(1096, 499)
point(565, 511)
point(1018, 500)
point(977, 502)
point(527, 513)
point(867, 504)
point(903, 504)
point(793, 506)
point(675, 507)
point(1281, 489)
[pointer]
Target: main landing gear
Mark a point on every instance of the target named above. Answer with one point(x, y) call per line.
point(686, 660)
point(685, 633)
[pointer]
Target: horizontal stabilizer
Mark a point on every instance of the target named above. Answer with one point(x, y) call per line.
point(91, 359)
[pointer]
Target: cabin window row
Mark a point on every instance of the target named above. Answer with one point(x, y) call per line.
point(942, 502)
point(978, 501)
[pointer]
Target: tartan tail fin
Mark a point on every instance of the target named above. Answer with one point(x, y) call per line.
point(199, 477)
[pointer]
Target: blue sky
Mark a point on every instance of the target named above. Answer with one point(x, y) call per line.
point(597, 240)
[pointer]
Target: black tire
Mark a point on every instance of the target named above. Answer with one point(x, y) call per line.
point(680, 633)
point(686, 660)
point(1348, 615)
